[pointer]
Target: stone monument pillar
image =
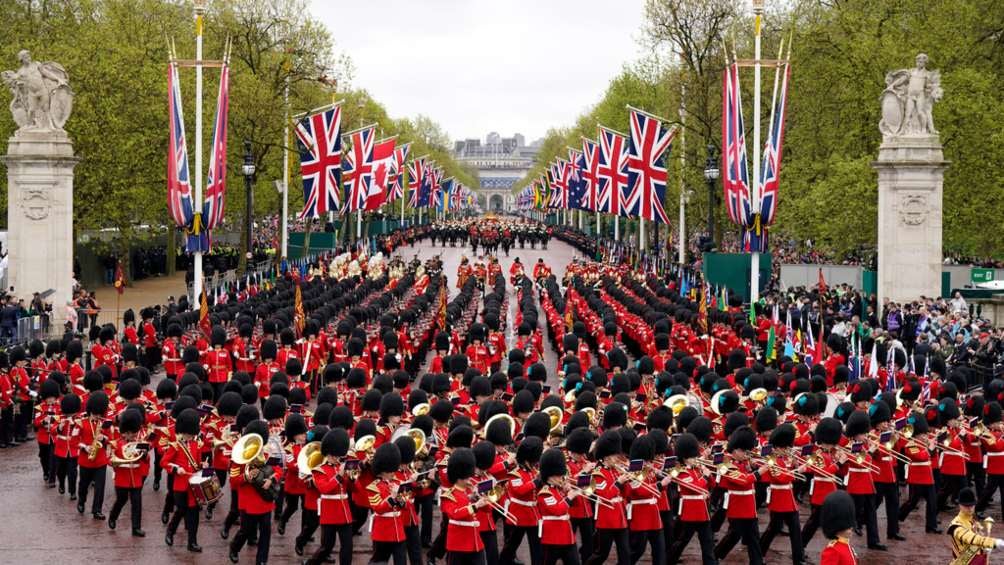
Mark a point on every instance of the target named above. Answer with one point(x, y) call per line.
point(40, 165)
point(911, 169)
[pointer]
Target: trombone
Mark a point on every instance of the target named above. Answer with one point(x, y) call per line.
point(771, 463)
point(858, 458)
point(887, 448)
point(814, 463)
point(589, 492)
point(493, 496)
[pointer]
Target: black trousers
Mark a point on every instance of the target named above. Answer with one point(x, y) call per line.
point(655, 541)
point(329, 533)
point(7, 425)
point(994, 483)
point(491, 542)
point(413, 545)
point(950, 487)
point(308, 525)
point(260, 523)
point(234, 513)
point(686, 531)
point(790, 519)
point(45, 461)
point(423, 506)
point(811, 525)
point(585, 527)
point(383, 551)
point(186, 512)
point(465, 558)
point(158, 471)
point(888, 493)
point(746, 530)
point(929, 495)
point(602, 542)
point(97, 477)
point(438, 549)
point(864, 508)
point(976, 475)
point(22, 421)
point(134, 496)
point(169, 495)
point(567, 554)
point(514, 537)
point(66, 468)
point(291, 506)
point(359, 516)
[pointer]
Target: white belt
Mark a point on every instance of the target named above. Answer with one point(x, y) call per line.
point(994, 454)
point(530, 503)
point(729, 494)
point(384, 515)
point(640, 502)
point(540, 525)
point(334, 496)
point(906, 471)
point(129, 466)
point(812, 485)
point(858, 470)
point(772, 488)
point(609, 501)
point(466, 524)
point(688, 497)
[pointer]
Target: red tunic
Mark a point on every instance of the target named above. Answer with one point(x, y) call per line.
point(522, 502)
point(993, 458)
point(387, 522)
point(779, 477)
point(184, 460)
point(130, 475)
point(333, 502)
point(462, 529)
point(220, 366)
point(248, 496)
point(740, 495)
point(693, 504)
point(555, 526)
point(822, 486)
point(611, 514)
point(838, 552)
point(643, 505)
point(46, 415)
point(858, 478)
point(172, 359)
point(84, 434)
point(918, 471)
point(950, 463)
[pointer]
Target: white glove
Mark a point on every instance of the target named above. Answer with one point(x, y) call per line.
point(999, 543)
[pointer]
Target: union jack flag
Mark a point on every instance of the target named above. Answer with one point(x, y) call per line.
point(319, 139)
point(735, 182)
point(383, 163)
point(590, 175)
point(359, 167)
point(400, 158)
point(646, 171)
point(612, 172)
point(771, 168)
point(416, 178)
point(212, 207)
point(559, 184)
point(179, 187)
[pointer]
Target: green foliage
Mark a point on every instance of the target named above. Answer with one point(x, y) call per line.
point(115, 52)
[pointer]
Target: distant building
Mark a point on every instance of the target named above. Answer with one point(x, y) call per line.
point(501, 162)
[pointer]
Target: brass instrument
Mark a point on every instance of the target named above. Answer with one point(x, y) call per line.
point(858, 458)
point(758, 395)
point(771, 462)
point(677, 403)
point(417, 435)
point(556, 415)
point(887, 448)
point(95, 446)
point(591, 413)
point(815, 463)
point(421, 409)
point(982, 432)
point(310, 458)
point(249, 451)
point(366, 444)
point(131, 454)
point(504, 417)
point(589, 492)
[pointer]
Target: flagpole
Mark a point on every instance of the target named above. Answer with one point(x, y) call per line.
point(617, 227)
point(285, 171)
point(755, 255)
point(682, 244)
point(641, 234)
point(200, 10)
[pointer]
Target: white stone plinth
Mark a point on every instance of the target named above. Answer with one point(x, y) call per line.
point(910, 174)
point(40, 217)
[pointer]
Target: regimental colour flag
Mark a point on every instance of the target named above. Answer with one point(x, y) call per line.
point(383, 166)
point(646, 170)
point(319, 140)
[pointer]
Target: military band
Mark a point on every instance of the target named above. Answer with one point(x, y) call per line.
point(391, 399)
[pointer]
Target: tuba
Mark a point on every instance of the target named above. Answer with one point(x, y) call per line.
point(420, 409)
point(249, 451)
point(366, 444)
point(504, 417)
point(309, 459)
point(416, 434)
point(556, 415)
point(131, 453)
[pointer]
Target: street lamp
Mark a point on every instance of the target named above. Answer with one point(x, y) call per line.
point(248, 169)
point(711, 174)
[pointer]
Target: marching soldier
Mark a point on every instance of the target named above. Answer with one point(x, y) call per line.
point(837, 518)
point(131, 461)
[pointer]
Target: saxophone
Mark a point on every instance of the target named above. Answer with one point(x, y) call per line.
point(92, 450)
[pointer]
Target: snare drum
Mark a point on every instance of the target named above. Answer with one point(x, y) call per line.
point(205, 489)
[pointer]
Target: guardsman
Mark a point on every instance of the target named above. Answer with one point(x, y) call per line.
point(554, 499)
point(46, 416)
point(609, 513)
point(780, 498)
point(970, 541)
point(131, 461)
point(183, 458)
point(387, 522)
point(837, 517)
point(920, 475)
point(93, 436)
point(219, 362)
point(522, 502)
point(171, 353)
point(463, 544)
point(693, 507)
point(827, 436)
point(857, 468)
point(268, 367)
point(740, 497)
point(256, 486)
point(333, 483)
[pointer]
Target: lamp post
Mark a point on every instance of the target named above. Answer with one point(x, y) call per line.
point(711, 175)
point(248, 169)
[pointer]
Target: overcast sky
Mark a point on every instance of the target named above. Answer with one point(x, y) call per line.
point(476, 66)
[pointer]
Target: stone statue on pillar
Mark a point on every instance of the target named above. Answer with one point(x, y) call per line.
point(42, 96)
point(911, 168)
point(40, 164)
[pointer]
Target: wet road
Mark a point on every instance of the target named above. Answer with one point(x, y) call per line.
point(41, 526)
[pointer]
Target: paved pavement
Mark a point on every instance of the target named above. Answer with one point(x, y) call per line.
point(40, 526)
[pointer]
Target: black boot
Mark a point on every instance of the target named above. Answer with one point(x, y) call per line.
point(195, 548)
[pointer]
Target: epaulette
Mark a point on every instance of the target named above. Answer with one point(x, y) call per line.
point(448, 495)
point(372, 487)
